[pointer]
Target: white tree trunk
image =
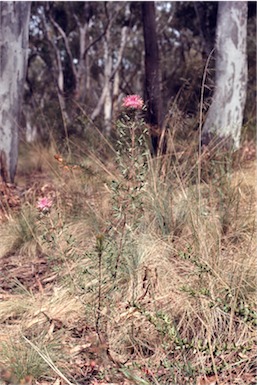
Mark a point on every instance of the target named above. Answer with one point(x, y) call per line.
point(105, 98)
point(14, 22)
point(82, 77)
point(111, 69)
point(225, 116)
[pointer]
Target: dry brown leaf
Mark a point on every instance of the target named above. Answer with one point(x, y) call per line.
point(203, 380)
point(79, 348)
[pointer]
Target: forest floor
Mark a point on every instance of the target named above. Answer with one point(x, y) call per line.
point(120, 284)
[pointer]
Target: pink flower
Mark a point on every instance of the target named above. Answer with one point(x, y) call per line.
point(44, 204)
point(133, 101)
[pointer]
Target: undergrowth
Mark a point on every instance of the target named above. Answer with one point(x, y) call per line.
point(149, 273)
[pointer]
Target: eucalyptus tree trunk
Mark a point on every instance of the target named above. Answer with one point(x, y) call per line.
point(109, 95)
point(14, 27)
point(152, 72)
point(225, 116)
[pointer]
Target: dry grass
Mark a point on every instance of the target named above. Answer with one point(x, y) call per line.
point(164, 301)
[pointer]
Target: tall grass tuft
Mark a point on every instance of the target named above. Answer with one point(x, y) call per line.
point(150, 266)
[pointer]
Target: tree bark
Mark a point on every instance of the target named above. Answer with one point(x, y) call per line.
point(152, 74)
point(14, 23)
point(109, 92)
point(225, 116)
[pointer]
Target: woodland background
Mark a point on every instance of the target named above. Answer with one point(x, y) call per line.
point(86, 56)
point(139, 269)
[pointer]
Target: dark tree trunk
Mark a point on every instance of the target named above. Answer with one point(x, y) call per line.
point(152, 75)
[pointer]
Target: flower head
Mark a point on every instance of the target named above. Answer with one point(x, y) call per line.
point(133, 101)
point(44, 204)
